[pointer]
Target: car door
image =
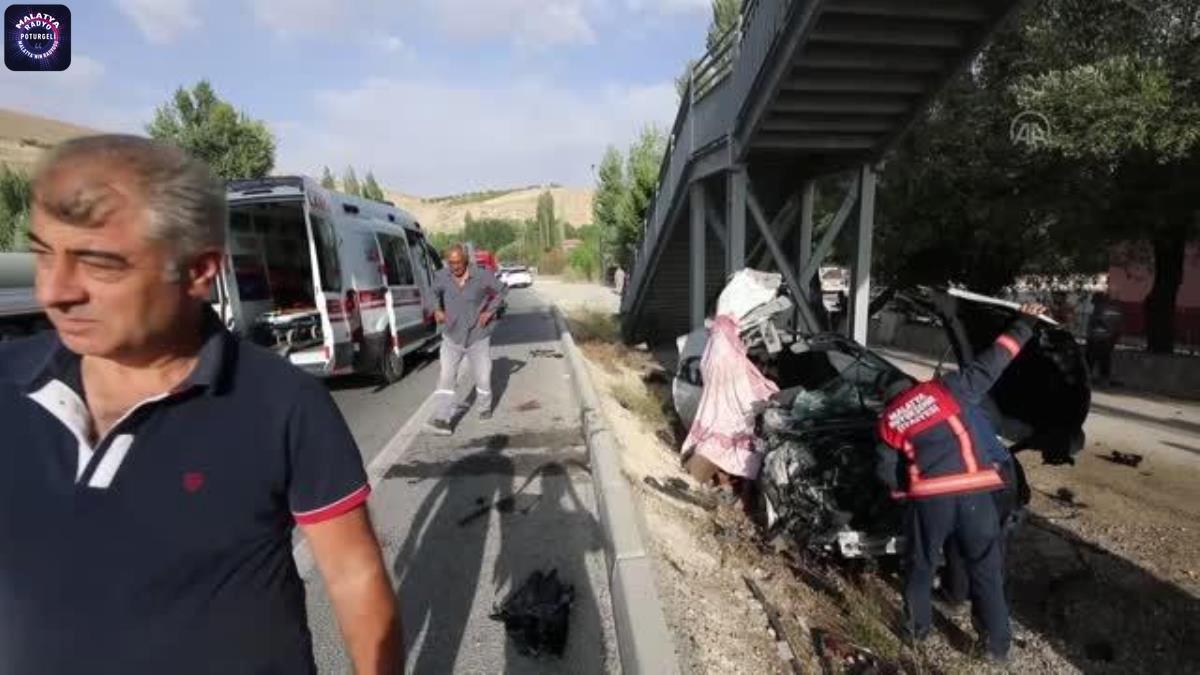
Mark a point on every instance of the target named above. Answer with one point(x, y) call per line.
point(407, 312)
point(426, 261)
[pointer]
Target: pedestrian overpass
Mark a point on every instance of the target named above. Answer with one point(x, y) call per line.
point(798, 90)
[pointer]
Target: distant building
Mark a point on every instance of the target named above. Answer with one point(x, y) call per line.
point(570, 244)
point(1130, 279)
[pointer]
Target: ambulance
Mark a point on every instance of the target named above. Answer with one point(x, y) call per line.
point(334, 283)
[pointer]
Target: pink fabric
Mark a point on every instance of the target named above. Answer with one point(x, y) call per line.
point(723, 431)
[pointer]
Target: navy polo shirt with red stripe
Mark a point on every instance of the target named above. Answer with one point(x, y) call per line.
point(166, 546)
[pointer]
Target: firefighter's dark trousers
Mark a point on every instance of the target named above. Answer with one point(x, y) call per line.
point(974, 524)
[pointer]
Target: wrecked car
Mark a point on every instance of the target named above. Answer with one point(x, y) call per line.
point(817, 485)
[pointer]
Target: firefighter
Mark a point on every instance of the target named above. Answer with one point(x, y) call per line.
point(939, 453)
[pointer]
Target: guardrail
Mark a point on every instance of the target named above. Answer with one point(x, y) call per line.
point(718, 85)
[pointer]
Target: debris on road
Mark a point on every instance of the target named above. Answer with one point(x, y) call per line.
point(536, 615)
point(1065, 496)
point(529, 406)
point(783, 641)
point(678, 489)
point(1130, 459)
point(841, 656)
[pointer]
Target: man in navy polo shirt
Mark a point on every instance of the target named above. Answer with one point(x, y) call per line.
point(153, 466)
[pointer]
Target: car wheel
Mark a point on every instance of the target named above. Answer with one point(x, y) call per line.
point(391, 367)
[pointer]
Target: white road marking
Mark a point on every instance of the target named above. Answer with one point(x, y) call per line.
point(392, 451)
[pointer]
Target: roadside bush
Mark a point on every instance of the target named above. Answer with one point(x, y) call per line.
point(14, 208)
point(553, 261)
point(585, 261)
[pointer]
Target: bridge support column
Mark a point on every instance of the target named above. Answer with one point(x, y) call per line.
point(804, 243)
point(698, 260)
point(861, 279)
point(736, 199)
point(781, 261)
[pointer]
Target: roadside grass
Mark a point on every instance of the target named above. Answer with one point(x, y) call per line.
point(643, 389)
point(639, 400)
point(870, 621)
point(590, 325)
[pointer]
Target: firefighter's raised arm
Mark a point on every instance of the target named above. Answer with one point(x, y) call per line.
point(977, 377)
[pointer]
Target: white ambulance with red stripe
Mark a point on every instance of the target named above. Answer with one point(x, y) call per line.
point(334, 283)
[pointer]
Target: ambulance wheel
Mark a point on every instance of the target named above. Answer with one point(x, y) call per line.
point(391, 367)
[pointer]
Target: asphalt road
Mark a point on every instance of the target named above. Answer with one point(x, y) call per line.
point(463, 519)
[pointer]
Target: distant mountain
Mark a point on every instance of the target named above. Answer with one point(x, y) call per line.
point(23, 138)
point(573, 205)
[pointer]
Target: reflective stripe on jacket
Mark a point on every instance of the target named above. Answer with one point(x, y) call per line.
point(930, 427)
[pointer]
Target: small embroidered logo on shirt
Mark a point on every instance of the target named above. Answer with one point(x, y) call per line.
point(193, 481)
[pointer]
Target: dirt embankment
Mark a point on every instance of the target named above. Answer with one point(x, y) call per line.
point(1099, 575)
point(574, 205)
point(23, 138)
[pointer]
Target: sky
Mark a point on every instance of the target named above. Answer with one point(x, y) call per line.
point(435, 96)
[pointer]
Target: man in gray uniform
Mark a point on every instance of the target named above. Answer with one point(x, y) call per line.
point(467, 298)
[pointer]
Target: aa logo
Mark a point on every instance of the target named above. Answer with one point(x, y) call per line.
point(1030, 129)
point(37, 37)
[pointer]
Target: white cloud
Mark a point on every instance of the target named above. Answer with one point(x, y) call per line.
point(396, 49)
point(434, 137)
point(670, 6)
point(161, 21)
point(528, 23)
point(289, 18)
point(390, 43)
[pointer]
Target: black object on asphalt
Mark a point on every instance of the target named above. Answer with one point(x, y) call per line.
point(1124, 458)
point(545, 354)
point(536, 614)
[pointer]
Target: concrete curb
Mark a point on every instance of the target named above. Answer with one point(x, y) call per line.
point(643, 639)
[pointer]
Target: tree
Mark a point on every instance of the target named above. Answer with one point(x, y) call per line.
point(532, 240)
point(549, 236)
point(491, 234)
point(327, 180)
point(371, 189)
point(608, 208)
point(234, 145)
point(444, 240)
point(960, 201)
point(350, 184)
point(15, 194)
point(1125, 110)
point(725, 16)
point(643, 163)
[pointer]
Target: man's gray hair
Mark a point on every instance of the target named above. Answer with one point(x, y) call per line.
point(184, 198)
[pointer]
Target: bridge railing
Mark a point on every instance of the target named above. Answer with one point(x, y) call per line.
point(717, 86)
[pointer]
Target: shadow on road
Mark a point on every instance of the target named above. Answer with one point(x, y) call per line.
point(1098, 610)
point(439, 565)
point(525, 327)
point(503, 369)
point(542, 524)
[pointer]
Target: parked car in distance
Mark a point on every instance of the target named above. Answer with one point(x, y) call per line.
point(516, 276)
